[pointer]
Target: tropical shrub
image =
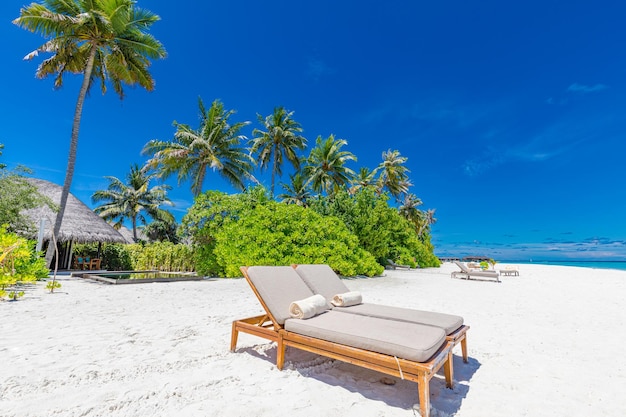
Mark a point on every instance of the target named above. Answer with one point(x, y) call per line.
point(19, 264)
point(381, 230)
point(247, 229)
point(162, 256)
point(114, 256)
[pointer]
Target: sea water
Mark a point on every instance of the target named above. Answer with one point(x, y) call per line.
point(582, 264)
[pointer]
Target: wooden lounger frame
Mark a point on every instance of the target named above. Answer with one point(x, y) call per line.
point(266, 326)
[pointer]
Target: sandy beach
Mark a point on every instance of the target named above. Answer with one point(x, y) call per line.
point(546, 343)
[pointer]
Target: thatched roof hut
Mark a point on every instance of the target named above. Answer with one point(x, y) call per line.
point(80, 223)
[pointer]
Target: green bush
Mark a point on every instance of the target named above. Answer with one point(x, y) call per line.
point(381, 230)
point(162, 256)
point(19, 264)
point(237, 230)
point(114, 256)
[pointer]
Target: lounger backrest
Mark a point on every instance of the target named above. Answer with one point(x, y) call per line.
point(278, 287)
point(321, 279)
point(462, 266)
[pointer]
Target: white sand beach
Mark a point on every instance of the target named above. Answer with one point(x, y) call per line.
point(547, 343)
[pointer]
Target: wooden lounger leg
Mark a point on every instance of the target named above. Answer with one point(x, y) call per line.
point(280, 352)
point(423, 389)
point(464, 349)
point(233, 337)
point(448, 369)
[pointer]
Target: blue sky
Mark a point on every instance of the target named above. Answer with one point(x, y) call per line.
point(511, 114)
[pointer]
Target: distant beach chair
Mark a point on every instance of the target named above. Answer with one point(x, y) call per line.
point(321, 279)
point(394, 265)
point(510, 271)
point(405, 350)
point(467, 273)
point(95, 264)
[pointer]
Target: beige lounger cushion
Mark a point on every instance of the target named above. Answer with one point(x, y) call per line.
point(321, 279)
point(278, 286)
point(448, 322)
point(404, 340)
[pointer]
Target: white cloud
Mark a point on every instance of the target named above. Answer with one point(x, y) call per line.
point(318, 68)
point(584, 89)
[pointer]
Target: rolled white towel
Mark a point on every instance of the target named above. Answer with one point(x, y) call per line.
point(309, 307)
point(347, 299)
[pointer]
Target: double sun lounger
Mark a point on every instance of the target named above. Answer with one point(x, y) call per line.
point(467, 273)
point(406, 343)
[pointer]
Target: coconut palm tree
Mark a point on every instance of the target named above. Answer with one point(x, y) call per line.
point(132, 199)
point(279, 141)
point(215, 144)
point(428, 219)
point(326, 168)
point(297, 192)
point(410, 211)
point(102, 40)
point(364, 178)
point(393, 174)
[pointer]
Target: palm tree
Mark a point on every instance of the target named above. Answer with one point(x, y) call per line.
point(279, 141)
point(428, 219)
point(102, 40)
point(393, 174)
point(131, 200)
point(410, 211)
point(325, 167)
point(364, 178)
point(297, 192)
point(161, 230)
point(215, 145)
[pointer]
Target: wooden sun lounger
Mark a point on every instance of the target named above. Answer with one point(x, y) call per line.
point(467, 273)
point(323, 280)
point(267, 326)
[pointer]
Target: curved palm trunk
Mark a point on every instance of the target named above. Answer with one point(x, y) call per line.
point(134, 220)
point(274, 171)
point(71, 160)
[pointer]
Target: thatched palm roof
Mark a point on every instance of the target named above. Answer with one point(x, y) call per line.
point(128, 234)
point(80, 223)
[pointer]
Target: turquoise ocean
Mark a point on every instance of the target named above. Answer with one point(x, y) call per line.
point(621, 265)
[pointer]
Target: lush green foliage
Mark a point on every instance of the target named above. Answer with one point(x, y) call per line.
point(19, 264)
point(162, 256)
point(114, 256)
point(17, 195)
point(381, 230)
point(247, 229)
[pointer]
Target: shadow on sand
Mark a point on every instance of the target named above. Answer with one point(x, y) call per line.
point(368, 383)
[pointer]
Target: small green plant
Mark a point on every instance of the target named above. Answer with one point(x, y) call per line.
point(493, 263)
point(53, 285)
point(484, 265)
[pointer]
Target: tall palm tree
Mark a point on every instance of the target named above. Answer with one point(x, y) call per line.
point(326, 168)
point(297, 192)
point(393, 173)
point(279, 141)
point(130, 200)
point(428, 219)
point(102, 40)
point(215, 144)
point(410, 211)
point(364, 178)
